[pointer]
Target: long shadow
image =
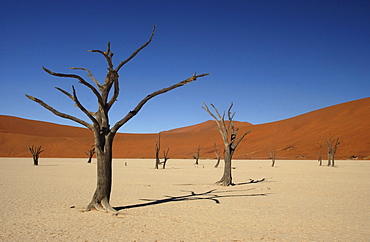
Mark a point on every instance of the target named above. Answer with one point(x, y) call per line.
point(212, 195)
point(249, 182)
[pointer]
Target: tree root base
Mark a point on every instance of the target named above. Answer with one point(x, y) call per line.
point(103, 206)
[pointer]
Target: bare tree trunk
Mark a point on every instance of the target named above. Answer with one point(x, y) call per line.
point(329, 158)
point(320, 159)
point(226, 179)
point(197, 155)
point(101, 197)
point(165, 158)
point(272, 156)
point(157, 149)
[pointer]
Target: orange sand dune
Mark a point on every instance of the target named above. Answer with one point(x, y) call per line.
point(293, 138)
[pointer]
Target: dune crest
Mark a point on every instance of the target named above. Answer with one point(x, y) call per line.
point(293, 138)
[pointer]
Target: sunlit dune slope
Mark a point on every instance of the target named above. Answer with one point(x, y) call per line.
point(294, 138)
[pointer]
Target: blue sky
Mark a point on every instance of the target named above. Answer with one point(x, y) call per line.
point(273, 59)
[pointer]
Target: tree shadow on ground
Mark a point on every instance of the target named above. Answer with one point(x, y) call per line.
point(249, 182)
point(212, 195)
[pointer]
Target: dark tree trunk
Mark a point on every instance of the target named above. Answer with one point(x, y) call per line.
point(35, 160)
point(197, 155)
point(165, 158)
point(101, 197)
point(218, 162)
point(157, 149)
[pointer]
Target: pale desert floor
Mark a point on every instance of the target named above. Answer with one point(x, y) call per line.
point(297, 201)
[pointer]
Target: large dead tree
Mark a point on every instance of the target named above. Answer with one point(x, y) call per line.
point(229, 137)
point(103, 132)
point(35, 151)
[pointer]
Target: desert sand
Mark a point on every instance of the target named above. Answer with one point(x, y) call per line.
point(296, 201)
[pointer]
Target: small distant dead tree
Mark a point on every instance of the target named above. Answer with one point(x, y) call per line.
point(217, 154)
point(197, 155)
point(272, 153)
point(99, 124)
point(320, 158)
point(229, 136)
point(165, 157)
point(157, 149)
point(332, 146)
point(35, 151)
point(90, 154)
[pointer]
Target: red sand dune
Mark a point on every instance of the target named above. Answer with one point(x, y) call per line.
point(293, 138)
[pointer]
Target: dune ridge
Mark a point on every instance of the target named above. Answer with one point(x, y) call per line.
point(293, 138)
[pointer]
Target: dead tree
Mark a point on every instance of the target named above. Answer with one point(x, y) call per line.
point(272, 153)
point(332, 146)
point(35, 154)
point(320, 158)
point(99, 124)
point(90, 154)
point(217, 154)
point(197, 155)
point(157, 149)
point(165, 158)
point(229, 136)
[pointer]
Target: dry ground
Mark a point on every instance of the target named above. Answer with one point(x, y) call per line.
point(297, 201)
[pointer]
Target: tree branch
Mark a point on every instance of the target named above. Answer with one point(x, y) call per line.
point(89, 75)
point(137, 51)
point(81, 80)
point(82, 108)
point(150, 96)
point(62, 115)
point(108, 55)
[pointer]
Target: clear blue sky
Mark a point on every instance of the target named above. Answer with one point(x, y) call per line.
point(273, 59)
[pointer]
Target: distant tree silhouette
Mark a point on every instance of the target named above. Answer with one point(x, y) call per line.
point(320, 159)
point(217, 154)
point(272, 153)
point(90, 154)
point(331, 148)
point(35, 151)
point(229, 137)
point(165, 158)
point(103, 132)
point(157, 149)
point(197, 155)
